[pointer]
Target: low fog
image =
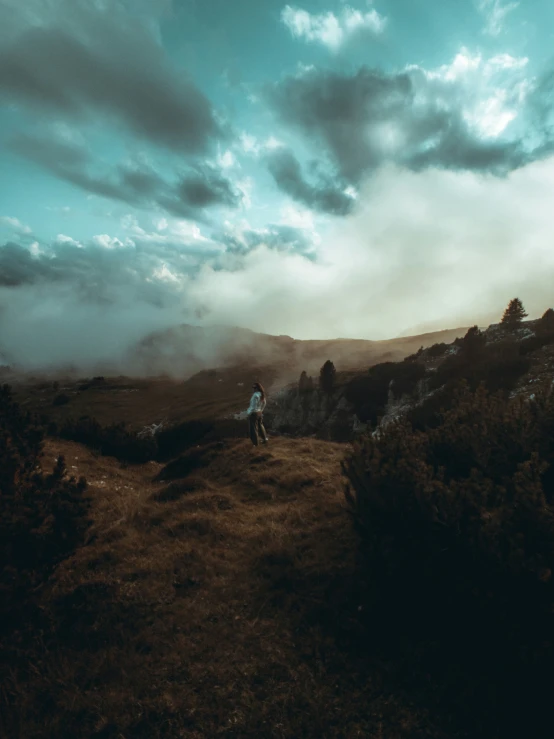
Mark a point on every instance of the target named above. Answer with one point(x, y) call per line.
point(420, 252)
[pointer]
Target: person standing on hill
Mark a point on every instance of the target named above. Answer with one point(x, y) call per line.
point(255, 415)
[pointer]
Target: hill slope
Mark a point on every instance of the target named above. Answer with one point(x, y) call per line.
point(221, 603)
point(185, 349)
point(235, 359)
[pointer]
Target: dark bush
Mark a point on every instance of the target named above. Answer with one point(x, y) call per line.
point(61, 399)
point(428, 413)
point(414, 357)
point(533, 343)
point(457, 532)
point(437, 350)
point(174, 440)
point(499, 366)
point(42, 517)
point(112, 441)
point(473, 344)
point(369, 394)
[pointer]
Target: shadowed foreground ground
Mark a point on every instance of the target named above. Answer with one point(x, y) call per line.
point(222, 603)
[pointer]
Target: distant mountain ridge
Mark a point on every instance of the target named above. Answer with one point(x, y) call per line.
point(184, 350)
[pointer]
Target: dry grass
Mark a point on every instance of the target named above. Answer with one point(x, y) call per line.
point(223, 604)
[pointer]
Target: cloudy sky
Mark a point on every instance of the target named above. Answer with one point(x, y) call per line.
point(320, 169)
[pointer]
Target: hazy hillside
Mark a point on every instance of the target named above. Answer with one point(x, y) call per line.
point(514, 361)
point(221, 589)
point(225, 361)
point(184, 350)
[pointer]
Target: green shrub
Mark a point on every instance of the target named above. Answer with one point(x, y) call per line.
point(112, 441)
point(498, 366)
point(437, 350)
point(456, 526)
point(61, 399)
point(369, 394)
point(42, 517)
point(533, 343)
point(474, 343)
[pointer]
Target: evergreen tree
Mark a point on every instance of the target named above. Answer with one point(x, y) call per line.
point(303, 382)
point(310, 384)
point(327, 377)
point(514, 314)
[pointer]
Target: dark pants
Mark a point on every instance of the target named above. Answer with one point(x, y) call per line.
point(257, 429)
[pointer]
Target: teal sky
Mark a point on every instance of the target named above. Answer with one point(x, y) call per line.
point(318, 169)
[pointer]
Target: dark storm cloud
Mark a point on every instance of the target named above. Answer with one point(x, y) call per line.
point(142, 182)
point(370, 117)
point(206, 187)
point(81, 267)
point(95, 274)
point(326, 197)
point(203, 187)
point(16, 266)
point(118, 72)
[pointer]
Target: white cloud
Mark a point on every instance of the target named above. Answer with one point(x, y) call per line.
point(111, 242)
point(505, 61)
point(421, 251)
point(15, 224)
point(175, 232)
point(329, 29)
point(164, 274)
point(254, 146)
point(272, 143)
point(249, 143)
point(491, 116)
point(492, 90)
point(495, 13)
point(408, 256)
point(296, 217)
point(63, 239)
point(226, 160)
point(245, 186)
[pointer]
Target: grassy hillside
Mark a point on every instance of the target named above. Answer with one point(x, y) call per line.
point(224, 590)
point(223, 604)
point(209, 393)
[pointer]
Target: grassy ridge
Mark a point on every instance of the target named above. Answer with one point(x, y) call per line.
point(222, 603)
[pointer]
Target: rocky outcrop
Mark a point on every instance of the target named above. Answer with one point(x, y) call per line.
point(334, 416)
